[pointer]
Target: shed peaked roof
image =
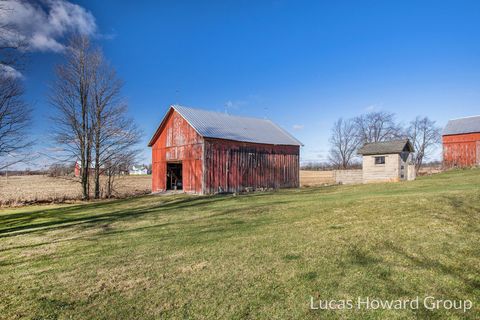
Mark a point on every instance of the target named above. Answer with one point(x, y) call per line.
point(386, 147)
point(224, 126)
point(462, 125)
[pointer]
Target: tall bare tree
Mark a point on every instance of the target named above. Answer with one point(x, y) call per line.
point(15, 113)
point(15, 119)
point(377, 127)
point(91, 119)
point(343, 143)
point(424, 135)
point(115, 134)
point(70, 96)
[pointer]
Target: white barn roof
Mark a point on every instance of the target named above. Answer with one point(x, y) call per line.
point(462, 125)
point(224, 126)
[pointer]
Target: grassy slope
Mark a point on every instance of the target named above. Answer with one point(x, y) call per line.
point(254, 256)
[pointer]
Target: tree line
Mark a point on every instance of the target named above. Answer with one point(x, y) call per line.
point(348, 135)
point(89, 122)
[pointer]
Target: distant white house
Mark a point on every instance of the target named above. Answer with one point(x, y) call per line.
point(135, 170)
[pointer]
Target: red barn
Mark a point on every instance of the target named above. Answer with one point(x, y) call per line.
point(205, 152)
point(461, 142)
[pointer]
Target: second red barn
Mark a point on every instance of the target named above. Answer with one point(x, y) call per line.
point(206, 152)
point(461, 142)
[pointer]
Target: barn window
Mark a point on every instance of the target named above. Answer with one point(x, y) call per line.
point(379, 160)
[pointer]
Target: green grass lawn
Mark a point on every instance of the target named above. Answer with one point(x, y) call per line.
point(262, 255)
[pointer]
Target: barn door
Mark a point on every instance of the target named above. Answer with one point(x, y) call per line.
point(478, 153)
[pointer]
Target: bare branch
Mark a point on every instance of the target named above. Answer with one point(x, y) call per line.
point(377, 127)
point(343, 143)
point(424, 135)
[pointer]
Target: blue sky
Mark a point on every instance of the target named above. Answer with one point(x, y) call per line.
point(301, 64)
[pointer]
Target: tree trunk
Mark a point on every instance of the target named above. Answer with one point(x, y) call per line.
point(97, 159)
point(97, 175)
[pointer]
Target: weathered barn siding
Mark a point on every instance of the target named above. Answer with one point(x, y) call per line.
point(232, 166)
point(177, 142)
point(461, 150)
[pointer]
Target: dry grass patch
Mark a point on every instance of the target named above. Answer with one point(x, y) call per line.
point(316, 178)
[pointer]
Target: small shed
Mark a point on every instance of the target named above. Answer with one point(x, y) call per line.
point(206, 152)
point(461, 142)
point(387, 161)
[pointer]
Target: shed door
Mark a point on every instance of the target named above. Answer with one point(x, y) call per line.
point(403, 170)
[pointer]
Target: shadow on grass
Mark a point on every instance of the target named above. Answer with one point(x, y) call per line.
point(427, 263)
point(87, 214)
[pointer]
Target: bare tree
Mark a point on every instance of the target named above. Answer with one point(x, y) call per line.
point(343, 143)
point(377, 127)
point(70, 97)
point(114, 133)
point(15, 114)
point(424, 135)
point(15, 119)
point(91, 120)
point(117, 164)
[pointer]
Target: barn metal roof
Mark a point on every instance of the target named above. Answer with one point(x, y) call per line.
point(386, 147)
point(462, 125)
point(224, 126)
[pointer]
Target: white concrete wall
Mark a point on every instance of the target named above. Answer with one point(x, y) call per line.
point(349, 176)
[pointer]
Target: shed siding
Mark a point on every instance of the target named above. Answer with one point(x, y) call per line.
point(177, 141)
point(461, 150)
point(232, 166)
point(390, 171)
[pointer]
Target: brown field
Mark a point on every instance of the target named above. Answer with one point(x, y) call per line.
point(19, 190)
point(316, 178)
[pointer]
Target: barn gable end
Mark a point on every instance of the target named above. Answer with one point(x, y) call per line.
point(177, 142)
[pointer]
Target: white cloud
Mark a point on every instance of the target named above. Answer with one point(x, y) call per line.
point(298, 127)
point(9, 72)
point(43, 24)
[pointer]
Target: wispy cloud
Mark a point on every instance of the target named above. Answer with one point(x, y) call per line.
point(43, 24)
point(298, 127)
point(234, 104)
point(9, 72)
point(373, 107)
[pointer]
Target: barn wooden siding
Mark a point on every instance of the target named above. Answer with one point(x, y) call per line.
point(462, 150)
point(177, 142)
point(232, 166)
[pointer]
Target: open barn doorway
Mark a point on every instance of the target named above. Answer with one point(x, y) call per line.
point(174, 176)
